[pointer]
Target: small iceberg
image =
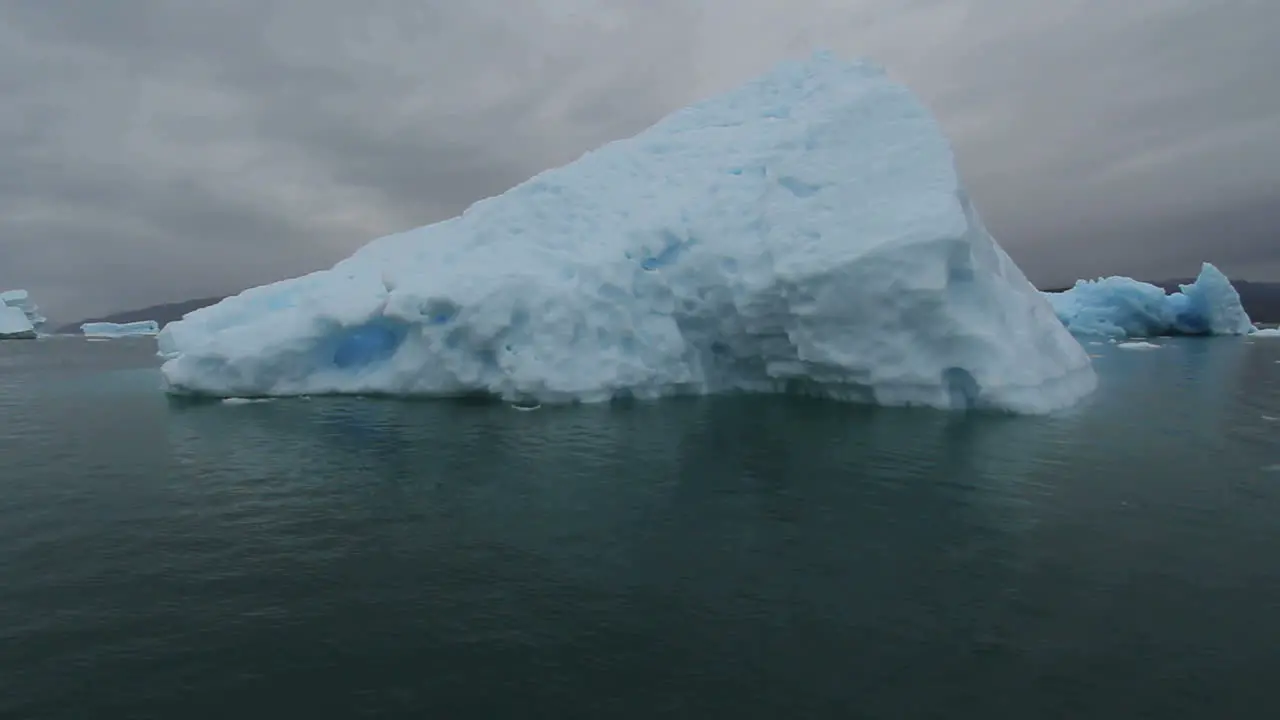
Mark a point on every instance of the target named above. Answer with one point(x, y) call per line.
point(21, 299)
point(14, 324)
point(1138, 346)
point(20, 319)
point(142, 328)
point(1121, 307)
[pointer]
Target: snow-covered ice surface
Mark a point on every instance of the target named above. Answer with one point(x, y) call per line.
point(15, 324)
point(1123, 307)
point(806, 232)
point(118, 330)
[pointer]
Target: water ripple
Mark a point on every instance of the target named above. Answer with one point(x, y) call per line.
point(753, 557)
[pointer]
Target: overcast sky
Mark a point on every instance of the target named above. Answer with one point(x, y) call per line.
point(157, 150)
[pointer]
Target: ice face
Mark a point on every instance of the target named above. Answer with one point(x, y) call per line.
point(15, 324)
point(21, 300)
point(1123, 307)
point(806, 232)
point(113, 330)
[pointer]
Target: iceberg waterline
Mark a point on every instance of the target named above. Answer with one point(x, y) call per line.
point(807, 232)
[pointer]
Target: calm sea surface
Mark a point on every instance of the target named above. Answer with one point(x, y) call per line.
point(700, 558)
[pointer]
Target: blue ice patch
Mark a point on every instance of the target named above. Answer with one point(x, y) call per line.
point(367, 344)
point(670, 253)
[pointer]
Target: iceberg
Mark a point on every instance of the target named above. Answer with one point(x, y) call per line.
point(21, 301)
point(806, 233)
point(15, 325)
point(1121, 307)
point(118, 330)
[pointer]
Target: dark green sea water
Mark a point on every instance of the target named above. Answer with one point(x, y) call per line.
point(699, 558)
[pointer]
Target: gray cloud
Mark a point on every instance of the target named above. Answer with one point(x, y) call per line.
point(162, 149)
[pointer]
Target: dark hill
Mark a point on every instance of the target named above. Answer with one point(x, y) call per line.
point(162, 314)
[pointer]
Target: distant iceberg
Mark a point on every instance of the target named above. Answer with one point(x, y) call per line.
point(1121, 307)
point(118, 330)
point(807, 232)
point(20, 318)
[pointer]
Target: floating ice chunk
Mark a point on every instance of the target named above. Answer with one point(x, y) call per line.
point(21, 299)
point(245, 401)
point(1139, 345)
point(15, 325)
point(806, 232)
point(119, 330)
point(20, 318)
point(1121, 307)
point(1267, 333)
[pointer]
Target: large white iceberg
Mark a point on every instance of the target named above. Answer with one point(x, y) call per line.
point(1123, 307)
point(806, 232)
point(19, 315)
point(118, 330)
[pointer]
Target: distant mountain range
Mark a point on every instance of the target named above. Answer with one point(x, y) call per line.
point(1260, 299)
